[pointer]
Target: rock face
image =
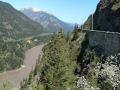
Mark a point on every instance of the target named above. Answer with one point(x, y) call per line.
point(106, 16)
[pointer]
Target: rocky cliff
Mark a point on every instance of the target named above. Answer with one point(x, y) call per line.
point(106, 16)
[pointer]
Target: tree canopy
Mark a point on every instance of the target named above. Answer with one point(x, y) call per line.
point(58, 69)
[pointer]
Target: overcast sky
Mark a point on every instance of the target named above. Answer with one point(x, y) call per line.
point(72, 11)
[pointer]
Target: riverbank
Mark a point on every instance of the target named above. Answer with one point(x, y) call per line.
point(22, 66)
point(2, 73)
point(16, 76)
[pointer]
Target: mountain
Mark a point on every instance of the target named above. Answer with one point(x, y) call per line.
point(14, 24)
point(106, 16)
point(73, 24)
point(47, 20)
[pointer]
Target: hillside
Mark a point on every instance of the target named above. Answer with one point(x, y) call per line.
point(106, 16)
point(68, 64)
point(47, 20)
point(18, 33)
point(14, 24)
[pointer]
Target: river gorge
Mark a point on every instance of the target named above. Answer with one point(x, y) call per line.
point(16, 76)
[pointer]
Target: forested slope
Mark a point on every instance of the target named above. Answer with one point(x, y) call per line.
point(17, 34)
point(14, 24)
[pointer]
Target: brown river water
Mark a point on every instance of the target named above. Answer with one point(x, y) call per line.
point(16, 76)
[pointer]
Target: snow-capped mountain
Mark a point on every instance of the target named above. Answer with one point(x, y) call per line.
point(47, 20)
point(32, 9)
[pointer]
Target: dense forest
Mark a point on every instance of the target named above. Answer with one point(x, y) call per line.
point(57, 68)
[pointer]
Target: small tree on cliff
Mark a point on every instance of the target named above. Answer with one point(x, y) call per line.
point(75, 33)
point(68, 37)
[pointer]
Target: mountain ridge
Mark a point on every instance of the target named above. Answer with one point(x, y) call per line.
point(14, 24)
point(47, 20)
point(33, 9)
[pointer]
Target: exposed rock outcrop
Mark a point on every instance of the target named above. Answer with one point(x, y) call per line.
point(106, 16)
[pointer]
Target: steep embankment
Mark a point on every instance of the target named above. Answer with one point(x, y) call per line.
point(106, 16)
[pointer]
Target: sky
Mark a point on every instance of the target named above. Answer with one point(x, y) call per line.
point(72, 11)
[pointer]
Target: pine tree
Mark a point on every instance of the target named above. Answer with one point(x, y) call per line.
point(57, 71)
point(24, 84)
point(75, 33)
point(68, 37)
point(30, 77)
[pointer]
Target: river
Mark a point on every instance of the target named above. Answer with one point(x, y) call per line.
point(16, 76)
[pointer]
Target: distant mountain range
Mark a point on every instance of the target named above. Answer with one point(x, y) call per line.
point(14, 24)
point(47, 20)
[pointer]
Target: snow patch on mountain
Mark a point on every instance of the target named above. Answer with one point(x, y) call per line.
point(32, 9)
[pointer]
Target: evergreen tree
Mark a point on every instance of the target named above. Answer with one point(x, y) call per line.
point(75, 33)
point(57, 71)
point(68, 37)
point(30, 77)
point(24, 84)
point(36, 69)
